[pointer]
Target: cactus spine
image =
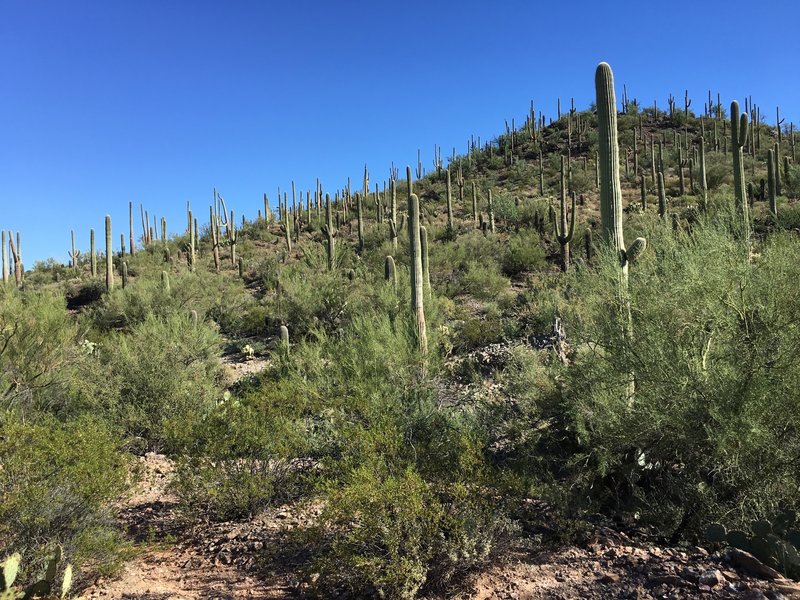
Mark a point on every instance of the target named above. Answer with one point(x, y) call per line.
point(109, 256)
point(417, 280)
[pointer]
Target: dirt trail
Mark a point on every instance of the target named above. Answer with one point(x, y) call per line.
point(175, 563)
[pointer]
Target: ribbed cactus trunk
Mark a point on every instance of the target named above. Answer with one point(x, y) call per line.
point(491, 212)
point(777, 159)
point(109, 256)
point(449, 202)
point(130, 223)
point(426, 264)
point(475, 203)
point(739, 130)
point(124, 275)
point(703, 180)
point(560, 224)
point(214, 232)
point(611, 196)
point(327, 230)
point(5, 258)
point(390, 272)
point(192, 243)
point(360, 217)
point(662, 196)
point(773, 199)
point(92, 254)
point(608, 162)
point(417, 277)
point(16, 256)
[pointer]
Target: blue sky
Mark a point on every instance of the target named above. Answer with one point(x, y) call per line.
point(158, 101)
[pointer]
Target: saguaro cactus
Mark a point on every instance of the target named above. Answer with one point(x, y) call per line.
point(329, 233)
point(360, 216)
point(739, 130)
point(773, 200)
point(92, 254)
point(5, 257)
point(130, 223)
point(449, 202)
point(611, 195)
point(662, 196)
point(491, 212)
point(563, 235)
point(109, 256)
point(475, 203)
point(426, 270)
point(124, 275)
point(703, 180)
point(390, 272)
point(417, 279)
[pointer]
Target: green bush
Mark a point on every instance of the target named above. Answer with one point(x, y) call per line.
point(56, 482)
point(523, 253)
point(241, 458)
point(37, 345)
point(713, 363)
point(392, 536)
point(156, 381)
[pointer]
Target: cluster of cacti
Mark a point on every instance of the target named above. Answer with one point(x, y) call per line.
point(39, 589)
point(775, 543)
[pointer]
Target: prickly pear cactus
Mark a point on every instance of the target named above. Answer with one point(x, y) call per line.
point(774, 543)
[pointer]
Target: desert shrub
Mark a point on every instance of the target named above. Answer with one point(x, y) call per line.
point(241, 458)
point(37, 344)
point(523, 253)
point(392, 535)
point(325, 301)
point(80, 293)
point(718, 169)
point(221, 299)
point(156, 381)
point(55, 484)
point(712, 361)
point(482, 280)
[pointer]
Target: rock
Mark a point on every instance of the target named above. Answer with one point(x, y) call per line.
point(609, 577)
point(674, 580)
point(751, 565)
point(712, 578)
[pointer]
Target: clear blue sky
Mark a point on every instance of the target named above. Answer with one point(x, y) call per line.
point(158, 101)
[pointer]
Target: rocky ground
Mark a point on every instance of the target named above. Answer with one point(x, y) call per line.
point(254, 560)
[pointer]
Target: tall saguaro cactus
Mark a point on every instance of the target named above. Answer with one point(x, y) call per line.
point(739, 130)
point(93, 254)
point(608, 162)
point(417, 278)
point(449, 202)
point(564, 235)
point(5, 258)
point(109, 256)
point(328, 232)
point(611, 194)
